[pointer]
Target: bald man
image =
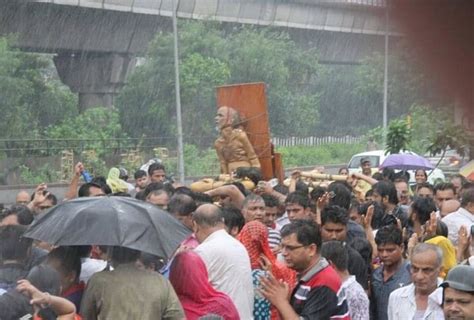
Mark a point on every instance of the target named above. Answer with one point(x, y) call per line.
point(226, 259)
point(23, 197)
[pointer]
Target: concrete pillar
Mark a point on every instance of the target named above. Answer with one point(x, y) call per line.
point(96, 77)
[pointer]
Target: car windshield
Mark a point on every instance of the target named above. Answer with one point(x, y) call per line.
point(355, 162)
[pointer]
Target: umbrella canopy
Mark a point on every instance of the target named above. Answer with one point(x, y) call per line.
point(468, 170)
point(406, 161)
point(110, 221)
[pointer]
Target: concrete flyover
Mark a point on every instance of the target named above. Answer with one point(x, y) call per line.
point(95, 42)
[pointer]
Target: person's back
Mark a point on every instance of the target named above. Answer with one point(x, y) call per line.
point(229, 269)
point(190, 280)
point(14, 250)
point(226, 259)
point(130, 293)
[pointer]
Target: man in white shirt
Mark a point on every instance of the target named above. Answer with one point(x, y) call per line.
point(422, 299)
point(226, 259)
point(464, 216)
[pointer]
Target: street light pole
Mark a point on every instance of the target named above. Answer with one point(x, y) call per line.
point(178, 97)
point(385, 74)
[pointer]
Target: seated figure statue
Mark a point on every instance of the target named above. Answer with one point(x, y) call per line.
point(233, 147)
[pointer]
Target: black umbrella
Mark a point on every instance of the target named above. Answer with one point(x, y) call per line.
point(110, 221)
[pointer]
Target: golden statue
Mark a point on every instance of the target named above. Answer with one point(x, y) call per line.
point(233, 147)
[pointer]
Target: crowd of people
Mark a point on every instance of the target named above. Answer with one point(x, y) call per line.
point(371, 247)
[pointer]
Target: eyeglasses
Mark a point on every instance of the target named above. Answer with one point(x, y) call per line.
point(290, 248)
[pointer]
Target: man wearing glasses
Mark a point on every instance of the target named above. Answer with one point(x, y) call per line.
point(315, 295)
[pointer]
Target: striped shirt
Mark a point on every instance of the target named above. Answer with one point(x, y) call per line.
point(274, 238)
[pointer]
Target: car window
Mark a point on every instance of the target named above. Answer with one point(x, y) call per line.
point(355, 162)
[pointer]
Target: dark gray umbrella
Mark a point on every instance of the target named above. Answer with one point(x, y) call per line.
point(110, 221)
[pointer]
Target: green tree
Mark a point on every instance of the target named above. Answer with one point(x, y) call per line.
point(97, 125)
point(398, 136)
point(448, 136)
point(32, 96)
point(211, 55)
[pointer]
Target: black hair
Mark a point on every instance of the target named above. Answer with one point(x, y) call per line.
point(13, 246)
point(50, 196)
point(307, 232)
point(122, 255)
point(468, 185)
point(424, 173)
point(155, 186)
point(444, 186)
point(386, 189)
point(378, 176)
point(401, 176)
point(84, 190)
point(334, 214)
point(362, 245)
point(69, 259)
point(139, 174)
point(233, 218)
point(379, 219)
point(281, 188)
point(388, 174)
point(441, 229)
point(389, 235)
point(342, 194)
point(123, 174)
point(467, 197)
point(151, 261)
point(121, 194)
point(201, 198)
point(369, 193)
point(302, 187)
point(155, 166)
point(83, 251)
point(241, 187)
point(140, 195)
point(184, 190)
point(336, 252)
point(270, 201)
point(23, 214)
point(425, 185)
point(423, 207)
point(342, 168)
point(45, 279)
point(102, 182)
point(297, 198)
point(252, 173)
point(354, 205)
point(182, 205)
point(317, 193)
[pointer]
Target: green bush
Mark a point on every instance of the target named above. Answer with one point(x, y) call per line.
point(299, 156)
point(45, 173)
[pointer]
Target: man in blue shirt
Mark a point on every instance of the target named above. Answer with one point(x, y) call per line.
point(394, 272)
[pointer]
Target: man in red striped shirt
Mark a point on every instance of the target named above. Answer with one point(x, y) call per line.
point(316, 293)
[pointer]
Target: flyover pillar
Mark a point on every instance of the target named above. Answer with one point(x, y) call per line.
point(96, 77)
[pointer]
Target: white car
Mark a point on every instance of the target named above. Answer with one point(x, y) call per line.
point(377, 157)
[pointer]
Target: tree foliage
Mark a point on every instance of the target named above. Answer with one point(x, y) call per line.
point(398, 136)
point(210, 56)
point(96, 125)
point(31, 97)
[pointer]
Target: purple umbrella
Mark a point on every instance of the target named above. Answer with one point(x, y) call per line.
point(406, 161)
